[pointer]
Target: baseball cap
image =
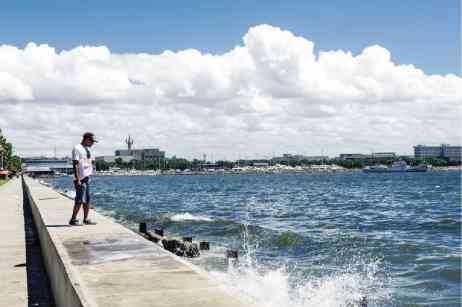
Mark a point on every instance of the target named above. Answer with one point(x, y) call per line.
point(90, 135)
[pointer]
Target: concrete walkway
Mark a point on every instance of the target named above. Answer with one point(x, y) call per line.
point(109, 265)
point(13, 281)
point(23, 279)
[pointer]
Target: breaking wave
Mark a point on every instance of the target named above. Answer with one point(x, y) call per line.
point(189, 217)
point(362, 280)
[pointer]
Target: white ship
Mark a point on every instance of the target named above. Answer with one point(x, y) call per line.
point(396, 167)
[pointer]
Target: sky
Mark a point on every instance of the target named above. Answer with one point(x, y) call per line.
point(231, 79)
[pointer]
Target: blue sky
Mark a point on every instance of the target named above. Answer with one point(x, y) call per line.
point(423, 33)
point(274, 94)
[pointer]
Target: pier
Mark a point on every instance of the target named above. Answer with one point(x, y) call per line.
point(96, 265)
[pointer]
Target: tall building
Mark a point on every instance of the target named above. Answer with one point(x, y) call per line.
point(129, 154)
point(146, 154)
point(445, 151)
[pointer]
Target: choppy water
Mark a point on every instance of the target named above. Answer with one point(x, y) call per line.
point(325, 239)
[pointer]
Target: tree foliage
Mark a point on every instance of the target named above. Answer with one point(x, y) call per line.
point(10, 162)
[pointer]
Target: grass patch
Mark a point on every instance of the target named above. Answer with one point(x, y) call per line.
point(3, 181)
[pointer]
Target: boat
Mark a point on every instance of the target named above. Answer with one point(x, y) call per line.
point(376, 169)
point(397, 167)
point(419, 168)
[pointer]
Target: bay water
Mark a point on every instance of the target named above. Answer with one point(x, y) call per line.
point(307, 239)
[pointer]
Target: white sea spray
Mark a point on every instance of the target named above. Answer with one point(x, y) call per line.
point(360, 280)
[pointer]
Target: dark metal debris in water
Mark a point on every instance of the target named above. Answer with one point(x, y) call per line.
point(181, 247)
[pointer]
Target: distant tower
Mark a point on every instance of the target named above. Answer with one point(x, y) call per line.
point(129, 141)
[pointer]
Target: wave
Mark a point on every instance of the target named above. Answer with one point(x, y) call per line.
point(189, 217)
point(217, 229)
point(444, 224)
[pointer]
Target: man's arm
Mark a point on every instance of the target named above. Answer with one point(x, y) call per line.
point(75, 166)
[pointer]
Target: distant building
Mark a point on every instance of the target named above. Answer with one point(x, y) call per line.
point(452, 153)
point(111, 159)
point(384, 155)
point(353, 156)
point(147, 154)
point(315, 158)
point(122, 152)
point(287, 157)
point(445, 151)
point(45, 166)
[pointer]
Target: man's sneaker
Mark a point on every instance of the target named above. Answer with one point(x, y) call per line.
point(89, 222)
point(75, 222)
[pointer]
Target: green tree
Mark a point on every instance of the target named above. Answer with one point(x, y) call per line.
point(102, 165)
point(10, 162)
point(119, 162)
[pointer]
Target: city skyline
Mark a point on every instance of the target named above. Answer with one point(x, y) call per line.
point(209, 156)
point(317, 84)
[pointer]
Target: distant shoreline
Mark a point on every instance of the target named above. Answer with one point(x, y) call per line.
point(253, 171)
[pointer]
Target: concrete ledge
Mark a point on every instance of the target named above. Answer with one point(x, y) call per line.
point(109, 265)
point(67, 290)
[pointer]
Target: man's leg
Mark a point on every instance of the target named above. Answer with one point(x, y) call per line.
point(76, 210)
point(86, 210)
point(77, 204)
point(86, 205)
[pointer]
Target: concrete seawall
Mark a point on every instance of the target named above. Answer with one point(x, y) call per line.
point(109, 265)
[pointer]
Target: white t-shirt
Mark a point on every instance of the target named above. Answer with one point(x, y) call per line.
point(85, 166)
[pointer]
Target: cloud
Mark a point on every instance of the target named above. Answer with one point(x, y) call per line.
point(12, 88)
point(271, 94)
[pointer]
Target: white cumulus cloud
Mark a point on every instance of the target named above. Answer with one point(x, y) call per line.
point(270, 95)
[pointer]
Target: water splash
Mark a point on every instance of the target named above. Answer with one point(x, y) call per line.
point(360, 279)
point(70, 194)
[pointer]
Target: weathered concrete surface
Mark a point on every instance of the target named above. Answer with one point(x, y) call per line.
point(109, 265)
point(13, 281)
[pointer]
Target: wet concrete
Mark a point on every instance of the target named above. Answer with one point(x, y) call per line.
point(110, 249)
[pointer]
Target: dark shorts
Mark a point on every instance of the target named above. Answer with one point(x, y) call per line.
point(82, 192)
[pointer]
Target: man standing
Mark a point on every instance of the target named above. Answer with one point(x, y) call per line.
point(82, 159)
